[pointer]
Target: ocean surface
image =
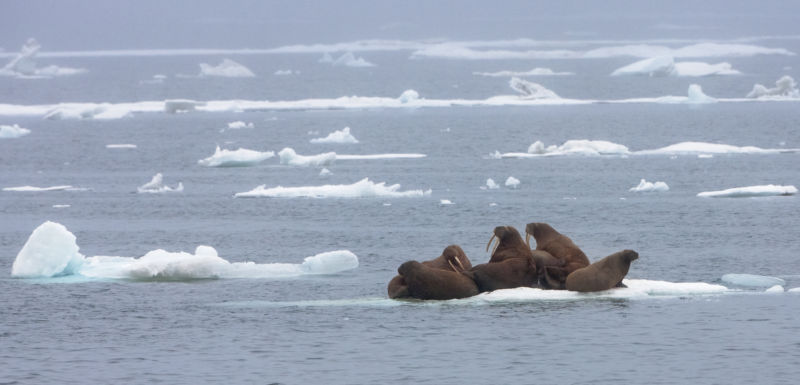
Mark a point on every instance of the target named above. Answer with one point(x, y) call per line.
point(192, 318)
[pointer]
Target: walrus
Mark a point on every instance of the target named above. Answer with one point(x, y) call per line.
point(452, 259)
point(603, 274)
point(509, 244)
point(512, 263)
point(559, 246)
point(425, 282)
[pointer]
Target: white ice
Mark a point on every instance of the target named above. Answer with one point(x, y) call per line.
point(52, 251)
point(284, 72)
point(23, 65)
point(645, 186)
point(11, 132)
point(696, 95)
point(751, 191)
point(445, 202)
point(122, 145)
point(342, 136)
point(235, 158)
point(408, 96)
point(696, 148)
point(785, 88)
point(530, 90)
point(491, 185)
point(289, 157)
point(39, 189)
point(666, 66)
point(172, 106)
point(227, 68)
point(752, 280)
point(239, 125)
point(156, 185)
point(325, 172)
point(361, 189)
point(572, 147)
point(512, 182)
point(538, 71)
point(348, 59)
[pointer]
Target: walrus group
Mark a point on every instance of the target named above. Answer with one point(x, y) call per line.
point(556, 264)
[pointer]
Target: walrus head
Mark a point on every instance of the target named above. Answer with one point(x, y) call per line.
point(537, 230)
point(504, 235)
point(456, 258)
point(629, 255)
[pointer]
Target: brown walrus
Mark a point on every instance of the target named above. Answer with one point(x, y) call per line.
point(559, 246)
point(603, 274)
point(424, 282)
point(509, 244)
point(511, 265)
point(453, 259)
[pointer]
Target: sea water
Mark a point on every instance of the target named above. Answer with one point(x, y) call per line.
point(680, 321)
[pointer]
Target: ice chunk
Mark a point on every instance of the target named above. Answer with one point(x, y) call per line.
point(227, 68)
point(697, 69)
point(235, 158)
point(696, 95)
point(408, 96)
point(750, 191)
point(115, 146)
point(51, 250)
point(693, 148)
point(491, 184)
point(348, 59)
point(538, 71)
point(645, 186)
point(530, 90)
point(156, 185)
point(445, 202)
point(341, 137)
point(239, 125)
point(512, 182)
point(23, 65)
point(656, 66)
point(289, 157)
point(785, 87)
point(361, 189)
point(15, 131)
point(284, 72)
point(775, 289)
point(39, 189)
point(325, 172)
point(172, 106)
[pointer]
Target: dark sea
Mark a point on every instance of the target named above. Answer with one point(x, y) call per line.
point(179, 320)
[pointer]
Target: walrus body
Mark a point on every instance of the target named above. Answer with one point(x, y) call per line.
point(560, 247)
point(424, 282)
point(511, 265)
point(432, 273)
point(603, 274)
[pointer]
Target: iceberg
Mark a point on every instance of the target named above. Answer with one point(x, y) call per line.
point(445, 202)
point(697, 148)
point(361, 189)
point(751, 191)
point(696, 95)
point(227, 68)
point(491, 185)
point(156, 185)
point(645, 186)
point(530, 90)
point(52, 251)
point(572, 147)
point(237, 125)
point(11, 132)
point(339, 137)
point(752, 280)
point(667, 66)
point(785, 88)
point(235, 158)
point(23, 65)
point(408, 96)
point(289, 157)
point(512, 182)
point(348, 59)
point(538, 71)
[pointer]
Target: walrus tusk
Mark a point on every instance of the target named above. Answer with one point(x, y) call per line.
point(453, 266)
point(490, 242)
point(458, 261)
point(528, 239)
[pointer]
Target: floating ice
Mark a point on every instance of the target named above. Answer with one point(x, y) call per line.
point(361, 189)
point(52, 251)
point(695, 148)
point(39, 189)
point(115, 146)
point(785, 88)
point(512, 182)
point(239, 125)
point(348, 59)
point(289, 157)
point(379, 156)
point(284, 72)
point(172, 106)
point(645, 186)
point(61, 206)
point(325, 172)
point(227, 68)
point(408, 96)
point(530, 90)
point(752, 280)
point(341, 137)
point(572, 147)
point(696, 95)
point(23, 65)
point(534, 72)
point(751, 191)
point(666, 66)
point(15, 131)
point(235, 158)
point(491, 185)
point(775, 289)
point(156, 185)
point(601, 147)
point(445, 202)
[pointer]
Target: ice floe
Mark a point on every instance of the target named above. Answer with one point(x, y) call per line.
point(512, 182)
point(697, 148)
point(237, 125)
point(156, 185)
point(530, 90)
point(408, 96)
point(348, 59)
point(751, 191)
point(285, 72)
point(490, 185)
point(289, 157)
point(13, 131)
point(445, 202)
point(235, 158)
point(785, 88)
point(752, 280)
point(696, 95)
point(325, 172)
point(227, 68)
point(645, 186)
point(667, 66)
point(42, 189)
point(361, 189)
point(23, 64)
point(538, 71)
point(342, 136)
point(52, 251)
point(121, 146)
point(571, 147)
